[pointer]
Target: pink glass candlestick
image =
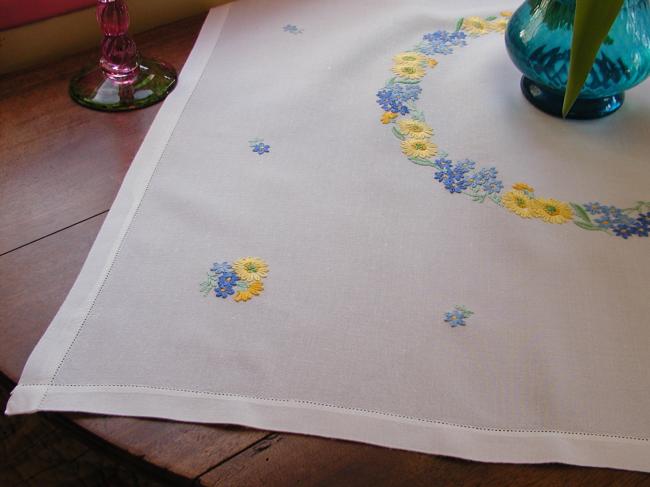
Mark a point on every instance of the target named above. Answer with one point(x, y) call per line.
point(122, 80)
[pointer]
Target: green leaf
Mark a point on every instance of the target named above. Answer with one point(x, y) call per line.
point(490, 18)
point(580, 212)
point(587, 226)
point(593, 19)
point(407, 81)
point(459, 24)
point(398, 134)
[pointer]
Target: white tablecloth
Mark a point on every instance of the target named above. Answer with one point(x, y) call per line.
point(347, 221)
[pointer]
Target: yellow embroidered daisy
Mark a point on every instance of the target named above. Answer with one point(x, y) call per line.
point(409, 70)
point(255, 288)
point(499, 25)
point(552, 211)
point(414, 128)
point(523, 187)
point(419, 148)
point(251, 269)
point(409, 57)
point(519, 203)
point(475, 26)
point(387, 117)
point(432, 62)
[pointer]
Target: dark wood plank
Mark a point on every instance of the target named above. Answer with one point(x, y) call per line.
point(61, 163)
point(35, 281)
point(283, 460)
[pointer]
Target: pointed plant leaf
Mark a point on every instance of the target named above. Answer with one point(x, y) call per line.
point(593, 19)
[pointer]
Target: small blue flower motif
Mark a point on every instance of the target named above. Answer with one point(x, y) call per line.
point(224, 291)
point(624, 231)
point(592, 208)
point(292, 29)
point(394, 97)
point(261, 148)
point(442, 42)
point(643, 224)
point(220, 268)
point(604, 221)
point(458, 316)
point(444, 164)
point(228, 279)
point(493, 186)
point(455, 185)
point(466, 165)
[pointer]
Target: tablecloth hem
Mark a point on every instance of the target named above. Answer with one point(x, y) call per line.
point(303, 417)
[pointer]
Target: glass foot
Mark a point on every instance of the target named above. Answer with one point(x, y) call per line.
point(584, 108)
point(154, 81)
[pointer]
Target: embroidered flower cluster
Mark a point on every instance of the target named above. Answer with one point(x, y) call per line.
point(478, 26)
point(292, 29)
point(242, 279)
point(622, 222)
point(458, 316)
point(398, 100)
point(258, 146)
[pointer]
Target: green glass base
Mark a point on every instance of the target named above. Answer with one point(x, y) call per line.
point(584, 108)
point(154, 81)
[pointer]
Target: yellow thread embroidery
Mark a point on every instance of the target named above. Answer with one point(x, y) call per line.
point(519, 203)
point(388, 117)
point(552, 211)
point(409, 57)
point(251, 269)
point(415, 129)
point(419, 148)
point(409, 71)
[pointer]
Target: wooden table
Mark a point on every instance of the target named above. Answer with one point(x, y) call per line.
point(60, 168)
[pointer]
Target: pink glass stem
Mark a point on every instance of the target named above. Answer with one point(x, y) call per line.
point(119, 59)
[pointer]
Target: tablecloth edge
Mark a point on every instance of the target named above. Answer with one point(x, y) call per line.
point(393, 431)
point(51, 349)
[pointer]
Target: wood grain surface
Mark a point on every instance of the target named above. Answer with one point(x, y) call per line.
point(60, 168)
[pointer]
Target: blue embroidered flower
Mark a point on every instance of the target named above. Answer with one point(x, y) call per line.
point(643, 224)
point(442, 42)
point(624, 231)
point(218, 268)
point(604, 221)
point(394, 97)
point(593, 208)
point(224, 291)
point(292, 29)
point(455, 185)
point(455, 318)
point(458, 316)
point(493, 186)
point(228, 279)
point(466, 165)
point(443, 164)
point(261, 148)
point(453, 175)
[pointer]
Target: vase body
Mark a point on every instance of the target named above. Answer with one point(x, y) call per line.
point(538, 40)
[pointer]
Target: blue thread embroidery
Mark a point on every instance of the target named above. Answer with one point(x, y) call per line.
point(394, 97)
point(458, 316)
point(258, 146)
point(242, 280)
point(292, 29)
point(398, 98)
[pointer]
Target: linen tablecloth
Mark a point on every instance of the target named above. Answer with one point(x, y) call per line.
point(347, 221)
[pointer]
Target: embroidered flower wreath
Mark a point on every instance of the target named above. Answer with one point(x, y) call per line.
point(398, 100)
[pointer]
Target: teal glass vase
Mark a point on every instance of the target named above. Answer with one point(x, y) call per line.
point(538, 40)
